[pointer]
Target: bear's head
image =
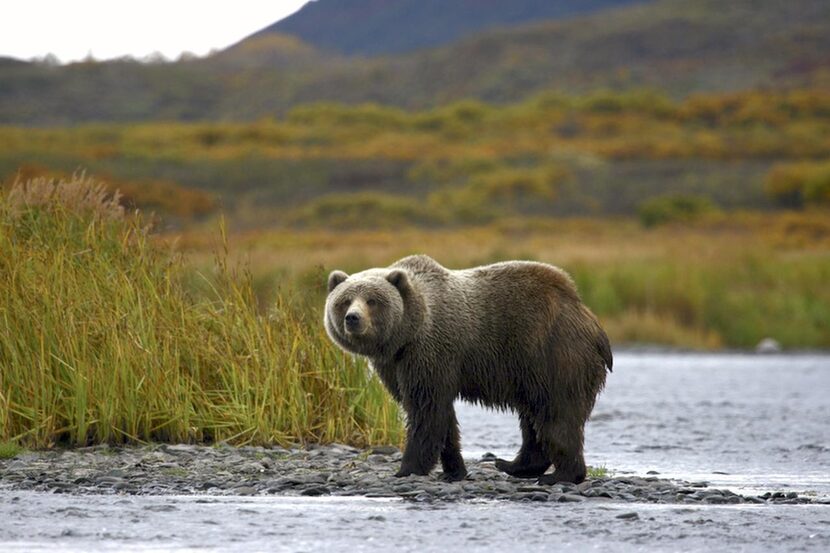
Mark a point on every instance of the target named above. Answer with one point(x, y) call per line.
point(366, 312)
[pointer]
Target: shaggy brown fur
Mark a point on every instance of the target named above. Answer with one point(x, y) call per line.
point(512, 335)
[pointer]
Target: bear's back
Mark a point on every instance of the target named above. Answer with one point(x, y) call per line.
point(517, 282)
point(420, 265)
point(514, 284)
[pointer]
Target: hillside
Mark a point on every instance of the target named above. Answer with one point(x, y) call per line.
point(378, 27)
point(678, 46)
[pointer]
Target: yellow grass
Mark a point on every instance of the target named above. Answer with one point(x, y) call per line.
point(104, 340)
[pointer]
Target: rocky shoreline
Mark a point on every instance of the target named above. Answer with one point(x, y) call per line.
point(332, 470)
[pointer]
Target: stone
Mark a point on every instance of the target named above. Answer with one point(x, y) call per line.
point(570, 498)
point(768, 345)
point(316, 491)
point(584, 486)
point(533, 489)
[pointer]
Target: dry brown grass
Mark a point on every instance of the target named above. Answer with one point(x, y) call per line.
point(80, 194)
point(727, 280)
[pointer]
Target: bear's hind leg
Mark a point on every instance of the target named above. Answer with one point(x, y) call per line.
point(566, 438)
point(451, 461)
point(532, 460)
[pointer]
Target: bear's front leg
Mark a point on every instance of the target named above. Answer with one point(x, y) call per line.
point(427, 427)
point(451, 460)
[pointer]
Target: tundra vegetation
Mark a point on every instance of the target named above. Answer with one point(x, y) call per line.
point(696, 223)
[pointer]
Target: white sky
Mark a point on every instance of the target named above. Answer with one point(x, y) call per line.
point(71, 29)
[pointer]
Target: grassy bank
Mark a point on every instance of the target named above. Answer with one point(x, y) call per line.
point(105, 340)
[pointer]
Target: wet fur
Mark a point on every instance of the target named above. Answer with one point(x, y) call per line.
point(512, 335)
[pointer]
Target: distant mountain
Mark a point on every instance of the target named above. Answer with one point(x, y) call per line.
point(678, 46)
point(7, 62)
point(378, 27)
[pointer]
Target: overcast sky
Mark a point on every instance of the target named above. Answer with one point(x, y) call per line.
point(71, 29)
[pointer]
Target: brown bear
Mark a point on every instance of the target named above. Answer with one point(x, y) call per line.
point(512, 335)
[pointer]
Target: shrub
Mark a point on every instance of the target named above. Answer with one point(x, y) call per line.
point(501, 191)
point(674, 209)
point(164, 196)
point(370, 210)
point(796, 185)
point(334, 114)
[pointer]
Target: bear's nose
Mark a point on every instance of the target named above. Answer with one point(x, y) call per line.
point(352, 320)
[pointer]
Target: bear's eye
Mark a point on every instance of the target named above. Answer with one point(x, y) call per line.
point(371, 302)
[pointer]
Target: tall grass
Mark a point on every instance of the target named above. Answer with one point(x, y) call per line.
point(102, 341)
point(713, 303)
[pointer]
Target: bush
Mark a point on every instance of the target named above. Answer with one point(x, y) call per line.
point(333, 114)
point(796, 185)
point(501, 191)
point(674, 209)
point(364, 210)
point(102, 341)
point(165, 196)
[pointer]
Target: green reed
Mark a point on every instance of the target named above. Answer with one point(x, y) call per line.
point(102, 341)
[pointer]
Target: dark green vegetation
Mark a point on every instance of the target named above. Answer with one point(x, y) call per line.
point(368, 27)
point(680, 46)
point(660, 210)
point(108, 337)
point(9, 450)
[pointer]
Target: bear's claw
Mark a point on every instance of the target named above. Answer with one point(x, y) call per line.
point(453, 476)
point(557, 476)
point(518, 471)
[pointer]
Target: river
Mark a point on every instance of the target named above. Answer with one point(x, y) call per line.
point(747, 422)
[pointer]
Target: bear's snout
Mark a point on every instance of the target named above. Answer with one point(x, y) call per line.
point(354, 323)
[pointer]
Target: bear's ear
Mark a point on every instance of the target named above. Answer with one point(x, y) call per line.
point(335, 278)
point(399, 280)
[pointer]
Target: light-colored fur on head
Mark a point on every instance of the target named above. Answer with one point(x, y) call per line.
point(375, 298)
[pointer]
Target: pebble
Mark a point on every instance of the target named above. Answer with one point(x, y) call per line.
point(315, 491)
point(336, 470)
point(584, 486)
point(533, 489)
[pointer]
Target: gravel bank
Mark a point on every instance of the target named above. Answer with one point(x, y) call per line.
point(335, 470)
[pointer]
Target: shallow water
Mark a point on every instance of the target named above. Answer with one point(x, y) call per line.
point(42, 522)
point(742, 421)
point(764, 420)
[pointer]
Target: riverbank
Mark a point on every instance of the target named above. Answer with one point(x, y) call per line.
point(752, 426)
point(332, 470)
